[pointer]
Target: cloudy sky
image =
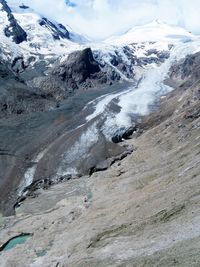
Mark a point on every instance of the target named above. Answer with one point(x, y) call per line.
point(100, 19)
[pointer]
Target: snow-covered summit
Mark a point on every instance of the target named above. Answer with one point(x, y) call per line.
point(155, 31)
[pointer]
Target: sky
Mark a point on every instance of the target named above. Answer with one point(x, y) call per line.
point(100, 19)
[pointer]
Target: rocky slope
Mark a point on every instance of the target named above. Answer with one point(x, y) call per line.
point(143, 211)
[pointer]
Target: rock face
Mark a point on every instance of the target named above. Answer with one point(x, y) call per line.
point(13, 30)
point(78, 67)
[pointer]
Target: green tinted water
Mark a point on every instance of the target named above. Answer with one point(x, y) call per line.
point(16, 241)
point(41, 253)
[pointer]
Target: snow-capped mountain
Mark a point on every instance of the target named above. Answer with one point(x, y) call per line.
point(156, 31)
point(28, 35)
point(25, 33)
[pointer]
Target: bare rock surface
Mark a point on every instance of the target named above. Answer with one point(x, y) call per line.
point(142, 211)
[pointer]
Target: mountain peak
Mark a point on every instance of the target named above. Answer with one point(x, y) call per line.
point(154, 31)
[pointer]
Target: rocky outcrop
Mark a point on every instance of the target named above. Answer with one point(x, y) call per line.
point(123, 134)
point(13, 30)
point(80, 71)
point(78, 67)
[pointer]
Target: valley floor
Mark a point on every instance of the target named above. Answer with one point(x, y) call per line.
point(143, 211)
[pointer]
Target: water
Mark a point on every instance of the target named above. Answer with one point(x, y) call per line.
point(18, 240)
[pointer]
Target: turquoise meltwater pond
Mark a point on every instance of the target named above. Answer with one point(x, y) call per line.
point(18, 240)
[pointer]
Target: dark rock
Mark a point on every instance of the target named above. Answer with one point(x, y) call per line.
point(19, 202)
point(104, 165)
point(23, 6)
point(194, 114)
point(5, 73)
point(79, 66)
point(65, 178)
point(46, 183)
point(151, 51)
point(123, 133)
point(18, 65)
point(122, 156)
point(116, 139)
point(129, 132)
point(114, 61)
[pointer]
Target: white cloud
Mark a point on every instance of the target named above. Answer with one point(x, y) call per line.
point(102, 18)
